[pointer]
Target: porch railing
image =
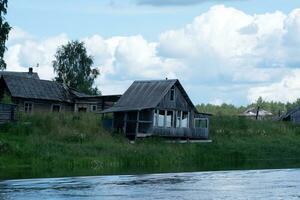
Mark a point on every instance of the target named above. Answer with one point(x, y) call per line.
point(192, 133)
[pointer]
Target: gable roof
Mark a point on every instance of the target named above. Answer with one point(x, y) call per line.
point(146, 94)
point(20, 74)
point(32, 88)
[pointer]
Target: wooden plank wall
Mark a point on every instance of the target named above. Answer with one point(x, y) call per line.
point(7, 113)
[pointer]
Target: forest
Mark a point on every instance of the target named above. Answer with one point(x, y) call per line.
point(277, 108)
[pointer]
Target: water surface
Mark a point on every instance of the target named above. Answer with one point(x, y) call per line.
point(243, 184)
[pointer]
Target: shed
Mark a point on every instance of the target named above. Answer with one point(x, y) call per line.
point(158, 108)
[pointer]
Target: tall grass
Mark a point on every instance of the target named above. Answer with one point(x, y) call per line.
point(46, 145)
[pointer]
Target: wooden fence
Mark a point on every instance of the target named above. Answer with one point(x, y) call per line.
point(7, 113)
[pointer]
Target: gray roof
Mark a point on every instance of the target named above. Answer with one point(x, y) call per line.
point(252, 112)
point(36, 89)
point(21, 74)
point(146, 94)
point(289, 113)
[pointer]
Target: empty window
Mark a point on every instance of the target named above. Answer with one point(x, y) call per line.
point(28, 107)
point(201, 123)
point(82, 109)
point(161, 118)
point(155, 117)
point(94, 108)
point(172, 94)
point(55, 108)
point(169, 119)
point(185, 120)
point(178, 119)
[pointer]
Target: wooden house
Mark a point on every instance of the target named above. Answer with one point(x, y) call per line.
point(292, 115)
point(32, 94)
point(158, 108)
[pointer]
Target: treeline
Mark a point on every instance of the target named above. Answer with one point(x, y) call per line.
point(277, 108)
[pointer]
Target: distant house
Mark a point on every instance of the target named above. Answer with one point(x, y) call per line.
point(292, 115)
point(252, 112)
point(32, 94)
point(159, 108)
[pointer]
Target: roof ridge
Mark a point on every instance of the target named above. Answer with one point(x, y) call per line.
point(22, 77)
point(154, 80)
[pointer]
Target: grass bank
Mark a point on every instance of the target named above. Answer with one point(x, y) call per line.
point(47, 145)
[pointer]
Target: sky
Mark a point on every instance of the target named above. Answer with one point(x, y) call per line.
point(222, 51)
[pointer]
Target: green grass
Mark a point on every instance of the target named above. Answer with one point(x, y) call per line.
point(47, 145)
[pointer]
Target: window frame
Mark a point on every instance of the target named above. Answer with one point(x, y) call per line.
point(92, 106)
point(187, 119)
point(172, 93)
point(28, 102)
point(201, 119)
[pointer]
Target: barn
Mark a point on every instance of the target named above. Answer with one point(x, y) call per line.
point(158, 108)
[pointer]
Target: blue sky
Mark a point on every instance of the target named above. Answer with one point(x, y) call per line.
point(81, 18)
point(223, 51)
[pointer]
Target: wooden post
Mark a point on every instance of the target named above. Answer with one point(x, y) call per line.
point(137, 123)
point(257, 112)
point(125, 123)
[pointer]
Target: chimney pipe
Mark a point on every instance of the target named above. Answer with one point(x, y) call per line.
point(30, 70)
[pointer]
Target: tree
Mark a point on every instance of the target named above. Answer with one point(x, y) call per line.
point(4, 30)
point(74, 67)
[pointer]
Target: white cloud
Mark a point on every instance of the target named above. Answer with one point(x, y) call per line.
point(287, 90)
point(223, 53)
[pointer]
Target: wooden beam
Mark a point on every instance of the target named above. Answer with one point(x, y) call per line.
point(125, 123)
point(137, 123)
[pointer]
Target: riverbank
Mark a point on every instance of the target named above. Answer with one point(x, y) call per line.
point(45, 145)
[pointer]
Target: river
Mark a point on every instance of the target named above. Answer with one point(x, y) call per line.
point(243, 184)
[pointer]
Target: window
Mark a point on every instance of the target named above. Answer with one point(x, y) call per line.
point(56, 108)
point(28, 107)
point(169, 118)
point(155, 117)
point(82, 109)
point(178, 119)
point(201, 123)
point(185, 120)
point(172, 94)
point(93, 108)
point(161, 118)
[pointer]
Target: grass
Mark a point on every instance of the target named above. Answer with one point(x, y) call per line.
point(48, 145)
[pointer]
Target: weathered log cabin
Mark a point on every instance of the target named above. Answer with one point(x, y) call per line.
point(158, 108)
point(31, 94)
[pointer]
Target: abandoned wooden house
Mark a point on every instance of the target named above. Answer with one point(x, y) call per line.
point(292, 115)
point(254, 113)
point(32, 94)
point(158, 108)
